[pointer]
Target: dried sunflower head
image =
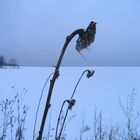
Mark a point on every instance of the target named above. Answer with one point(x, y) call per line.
point(87, 37)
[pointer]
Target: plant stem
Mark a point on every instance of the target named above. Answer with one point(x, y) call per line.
point(52, 82)
point(78, 83)
point(39, 104)
point(68, 107)
point(58, 121)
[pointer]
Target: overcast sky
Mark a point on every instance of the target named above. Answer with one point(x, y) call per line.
point(34, 31)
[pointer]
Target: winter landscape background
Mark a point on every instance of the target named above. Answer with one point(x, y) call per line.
point(32, 34)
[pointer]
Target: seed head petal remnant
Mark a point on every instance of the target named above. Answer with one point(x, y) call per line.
point(86, 37)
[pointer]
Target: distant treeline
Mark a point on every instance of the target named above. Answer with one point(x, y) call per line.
point(10, 63)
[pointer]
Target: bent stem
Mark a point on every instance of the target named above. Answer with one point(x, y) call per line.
point(52, 82)
point(58, 121)
point(79, 82)
point(89, 74)
point(39, 104)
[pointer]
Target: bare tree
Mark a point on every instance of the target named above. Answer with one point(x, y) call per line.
point(2, 61)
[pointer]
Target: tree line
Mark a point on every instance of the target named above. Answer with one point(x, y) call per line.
point(10, 63)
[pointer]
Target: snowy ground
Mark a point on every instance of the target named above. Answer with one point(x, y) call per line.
point(100, 92)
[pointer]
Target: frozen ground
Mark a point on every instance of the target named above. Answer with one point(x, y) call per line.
point(100, 92)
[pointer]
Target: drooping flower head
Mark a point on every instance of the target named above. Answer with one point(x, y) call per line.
point(87, 37)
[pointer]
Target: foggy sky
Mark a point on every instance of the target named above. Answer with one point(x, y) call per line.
point(34, 31)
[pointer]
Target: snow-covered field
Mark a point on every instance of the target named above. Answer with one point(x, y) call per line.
point(100, 92)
